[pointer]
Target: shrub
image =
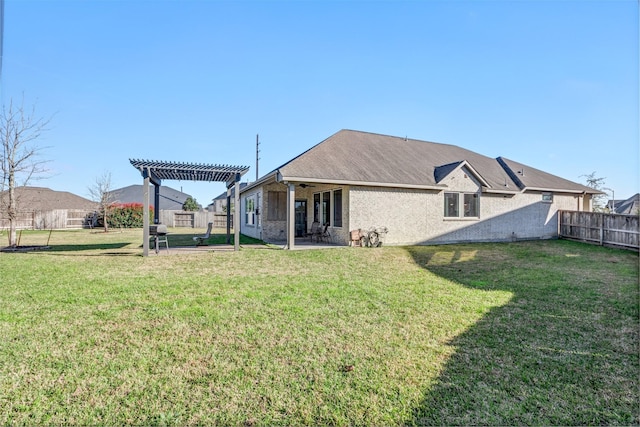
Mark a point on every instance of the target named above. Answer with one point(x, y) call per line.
point(127, 215)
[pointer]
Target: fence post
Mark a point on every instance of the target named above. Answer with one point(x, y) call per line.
point(601, 228)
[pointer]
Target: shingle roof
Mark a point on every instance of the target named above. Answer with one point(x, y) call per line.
point(170, 199)
point(631, 206)
point(360, 157)
point(43, 199)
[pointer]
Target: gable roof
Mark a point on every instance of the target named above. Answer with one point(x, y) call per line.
point(631, 206)
point(170, 199)
point(362, 158)
point(43, 199)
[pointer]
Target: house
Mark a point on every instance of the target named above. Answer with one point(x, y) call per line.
point(170, 199)
point(423, 192)
point(219, 204)
point(44, 208)
point(45, 199)
point(630, 206)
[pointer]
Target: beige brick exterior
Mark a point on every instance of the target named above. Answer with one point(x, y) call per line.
point(415, 216)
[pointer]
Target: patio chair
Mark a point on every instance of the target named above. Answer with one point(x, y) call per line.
point(324, 234)
point(200, 240)
point(356, 237)
point(314, 231)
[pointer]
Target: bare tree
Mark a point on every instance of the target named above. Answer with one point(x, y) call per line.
point(101, 193)
point(20, 155)
point(598, 201)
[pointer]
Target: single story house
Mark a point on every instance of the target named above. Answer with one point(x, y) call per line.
point(170, 198)
point(422, 192)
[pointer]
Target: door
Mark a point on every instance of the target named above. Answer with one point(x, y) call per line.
point(301, 218)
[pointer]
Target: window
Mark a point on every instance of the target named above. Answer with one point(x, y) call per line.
point(337, 208)
point(249, 211)
point(547, 197)
point(451, 205)
point(470, 205)
point(277, 206)
point(326, 207)
point(316, 207)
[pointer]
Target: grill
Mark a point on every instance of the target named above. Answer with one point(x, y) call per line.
point(159, 234)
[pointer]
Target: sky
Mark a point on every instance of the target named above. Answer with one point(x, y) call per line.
point(551, 84)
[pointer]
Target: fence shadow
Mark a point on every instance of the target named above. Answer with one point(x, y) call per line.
point(540, 359)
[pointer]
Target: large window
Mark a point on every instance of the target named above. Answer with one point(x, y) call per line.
point(324, 212)
point(326, 207)
point(470, 205)
point(277, 206)
point(337, 208)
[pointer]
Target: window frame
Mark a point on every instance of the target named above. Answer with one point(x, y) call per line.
point(459, 209)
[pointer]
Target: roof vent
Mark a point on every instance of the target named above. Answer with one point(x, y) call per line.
point(521, 171)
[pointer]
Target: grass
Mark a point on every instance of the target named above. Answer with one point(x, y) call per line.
point(535, 333)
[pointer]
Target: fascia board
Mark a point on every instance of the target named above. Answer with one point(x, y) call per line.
point(361, 183)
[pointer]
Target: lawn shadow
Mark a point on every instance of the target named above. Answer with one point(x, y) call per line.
point(104, 248)
point(555, 354)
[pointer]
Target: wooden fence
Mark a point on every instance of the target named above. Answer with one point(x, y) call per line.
point(77, 218)
point(600, 228)
point(51, 219)
point(199, 219)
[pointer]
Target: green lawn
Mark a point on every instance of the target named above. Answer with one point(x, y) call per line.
point(531, 333)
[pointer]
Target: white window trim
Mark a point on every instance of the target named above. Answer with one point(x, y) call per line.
point(460, 216)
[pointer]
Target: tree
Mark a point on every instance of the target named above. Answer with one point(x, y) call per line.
point(598, 201)
point(190, 205)
point(101, 193)
point(19, 129)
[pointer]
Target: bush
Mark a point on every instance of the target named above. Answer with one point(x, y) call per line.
point(127, 215)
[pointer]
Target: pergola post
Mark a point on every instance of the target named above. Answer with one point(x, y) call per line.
point(156, 203)
point(228, 216)
point(145, 215)
point(291, 216)
point(236, 214)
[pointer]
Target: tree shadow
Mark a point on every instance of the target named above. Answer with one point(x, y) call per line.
point(105, 248)
point(562, 351)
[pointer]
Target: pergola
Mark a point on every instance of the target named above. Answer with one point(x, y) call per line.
point(155, 171)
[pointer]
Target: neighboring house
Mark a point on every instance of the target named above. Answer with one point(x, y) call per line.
point(630, 206)
point(43, 208)
point(423, 192)
point(219, 204)
point(170, 199)
point(45, 199)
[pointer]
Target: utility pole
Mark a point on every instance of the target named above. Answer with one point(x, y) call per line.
point(257, 154)
point(613, 199)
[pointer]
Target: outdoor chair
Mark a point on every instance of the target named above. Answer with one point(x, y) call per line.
point(324, 233)
point(200, 240)
point(356, 237)
point(315, 230)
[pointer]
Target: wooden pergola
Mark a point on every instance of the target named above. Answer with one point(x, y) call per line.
point(154, 172)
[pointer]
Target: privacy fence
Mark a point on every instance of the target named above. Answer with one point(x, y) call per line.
point(600, 228)
point(77, 218)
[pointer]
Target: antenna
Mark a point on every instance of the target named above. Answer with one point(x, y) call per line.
point(257, 154)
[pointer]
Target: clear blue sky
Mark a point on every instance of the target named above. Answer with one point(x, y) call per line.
point(551, 84)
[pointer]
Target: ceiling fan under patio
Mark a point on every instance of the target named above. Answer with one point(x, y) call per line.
point(303, 185)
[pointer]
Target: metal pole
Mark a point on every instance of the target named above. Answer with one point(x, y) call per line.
point(257, 155)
